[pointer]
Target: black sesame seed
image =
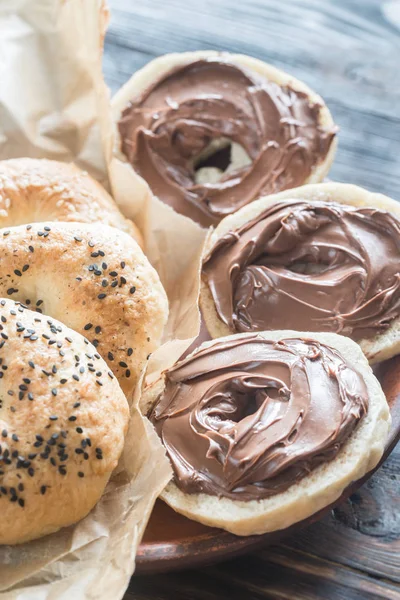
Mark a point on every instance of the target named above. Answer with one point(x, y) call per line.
point(77, 239)
point(31, 249)
point(31, 364)
point(15, 437)
point(53, 418)
point(113, 274)
point(101, 296)
point(110, 356)
point(18, 272)
point(104, 283)
point(122, 364)
point(127, 373)
point(43, 490)
point(73, 418)
point(123, 265)
point(25, 268)
point(54, 391)
point(4, 433)
point(129, 351)
point(47, 228)
point(80, 474)
point(31, 471)
point(88, 326)
point(74, 376)
point(132, 290)
point(21, 502)
point(30, 396)
point(79, 430)
point(63, 381)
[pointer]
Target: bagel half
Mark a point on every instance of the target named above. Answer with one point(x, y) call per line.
point(63, 418)
point(157, 68)
point(319, 488)
point(378, 348)
point(93, 278)
point(36, 190)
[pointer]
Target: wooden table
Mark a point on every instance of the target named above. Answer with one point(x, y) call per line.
point(349, 51)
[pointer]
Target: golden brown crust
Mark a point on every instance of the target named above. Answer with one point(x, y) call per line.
point(63, 418)
point(36, 190)
point(93, 278)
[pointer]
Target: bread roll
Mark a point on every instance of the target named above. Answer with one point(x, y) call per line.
point(319, 257)
point(35, 190)
point(212, 131)
point(93, 278)
point(63, 418)
point(263, 430)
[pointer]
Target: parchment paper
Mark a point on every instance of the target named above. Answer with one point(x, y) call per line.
point(54, 104)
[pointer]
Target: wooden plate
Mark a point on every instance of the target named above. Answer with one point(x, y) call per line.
point(172, 542)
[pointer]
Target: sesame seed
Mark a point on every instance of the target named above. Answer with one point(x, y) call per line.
point(110, 356)
point(132, 290)
point(18, 272)
point(31, 364)
point(129, 351)
point(43, 489)
point(25, 268)
point(88, 326)
point(53, 418)
point(80, 474)
point(123, 265)
point(127, 373)
point(54, 392)
point(73, 418)
point(101, 296)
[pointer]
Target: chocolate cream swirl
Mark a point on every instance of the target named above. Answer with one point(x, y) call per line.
point(170, 125)
point(246, 418)
point(309, 267)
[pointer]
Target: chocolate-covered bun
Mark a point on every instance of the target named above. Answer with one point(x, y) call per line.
point(263, 430)
point(245, 418)
point(212, 132)
point(311, 264)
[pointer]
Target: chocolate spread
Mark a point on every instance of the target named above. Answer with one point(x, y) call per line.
point(309, 267)
point(246, 418)
point(169, 125)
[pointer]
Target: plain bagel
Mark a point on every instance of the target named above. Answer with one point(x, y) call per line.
point(63, 418)
point(36, 190)
point(93, 278)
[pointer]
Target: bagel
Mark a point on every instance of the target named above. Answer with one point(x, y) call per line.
point(348, 269)
point(63, 418)
point(93, 278)
point(207, 148)
point(263, 430)
point(36, 190)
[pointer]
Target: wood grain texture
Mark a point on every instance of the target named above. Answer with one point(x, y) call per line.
point(348, 51)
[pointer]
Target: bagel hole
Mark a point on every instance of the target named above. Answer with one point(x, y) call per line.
point(220, 157)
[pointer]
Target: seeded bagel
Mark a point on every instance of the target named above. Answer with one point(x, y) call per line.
point(93, 278)
point(63, 418)
point(35, 190)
